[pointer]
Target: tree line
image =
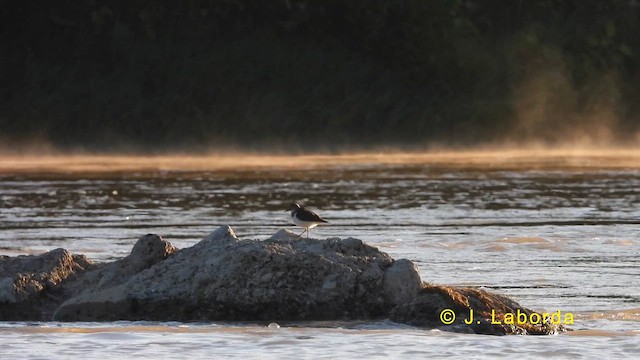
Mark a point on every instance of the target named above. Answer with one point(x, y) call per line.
point(148, 75)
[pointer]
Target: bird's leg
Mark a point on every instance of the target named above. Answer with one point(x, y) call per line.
point(305, 230)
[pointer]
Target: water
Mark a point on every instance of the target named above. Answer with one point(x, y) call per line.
point(552, 235)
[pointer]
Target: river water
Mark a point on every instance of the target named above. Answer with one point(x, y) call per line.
point(555, 233)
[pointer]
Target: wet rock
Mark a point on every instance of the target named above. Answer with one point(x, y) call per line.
point(32, 286)
point(489, 316)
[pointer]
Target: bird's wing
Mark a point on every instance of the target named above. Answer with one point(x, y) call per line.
point(308, 215)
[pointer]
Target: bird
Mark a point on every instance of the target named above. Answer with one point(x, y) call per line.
point(304, 217)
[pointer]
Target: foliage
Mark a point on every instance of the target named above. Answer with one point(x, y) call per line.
point(197, 74)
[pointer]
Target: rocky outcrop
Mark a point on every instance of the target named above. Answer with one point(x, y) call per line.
point(283, 278)
point(471, 310)
point(147, 251)
point(279, 279)
point(31, 286)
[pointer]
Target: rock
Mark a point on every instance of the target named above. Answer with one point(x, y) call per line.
point(31, 286)
point(223, 234)
point(352, 243)
point(284, 234)
point(489, 310)
point(147, 251)
point(223, 278)
point(402, 282)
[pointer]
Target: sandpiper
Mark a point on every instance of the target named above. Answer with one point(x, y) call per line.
point(304, 217)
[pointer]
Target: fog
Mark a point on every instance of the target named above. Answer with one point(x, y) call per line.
point(499, 159)
point(550, 110)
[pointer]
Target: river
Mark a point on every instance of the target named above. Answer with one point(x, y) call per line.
point(554, 231)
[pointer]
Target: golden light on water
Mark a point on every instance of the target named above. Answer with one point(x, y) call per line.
point(511, 159)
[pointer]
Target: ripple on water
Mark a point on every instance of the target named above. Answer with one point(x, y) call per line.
point(369, 340)
point(551, 239)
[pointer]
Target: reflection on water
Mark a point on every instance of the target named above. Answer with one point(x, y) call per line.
point(561, 235)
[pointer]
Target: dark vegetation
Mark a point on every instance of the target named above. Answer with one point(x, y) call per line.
point(153, 75)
